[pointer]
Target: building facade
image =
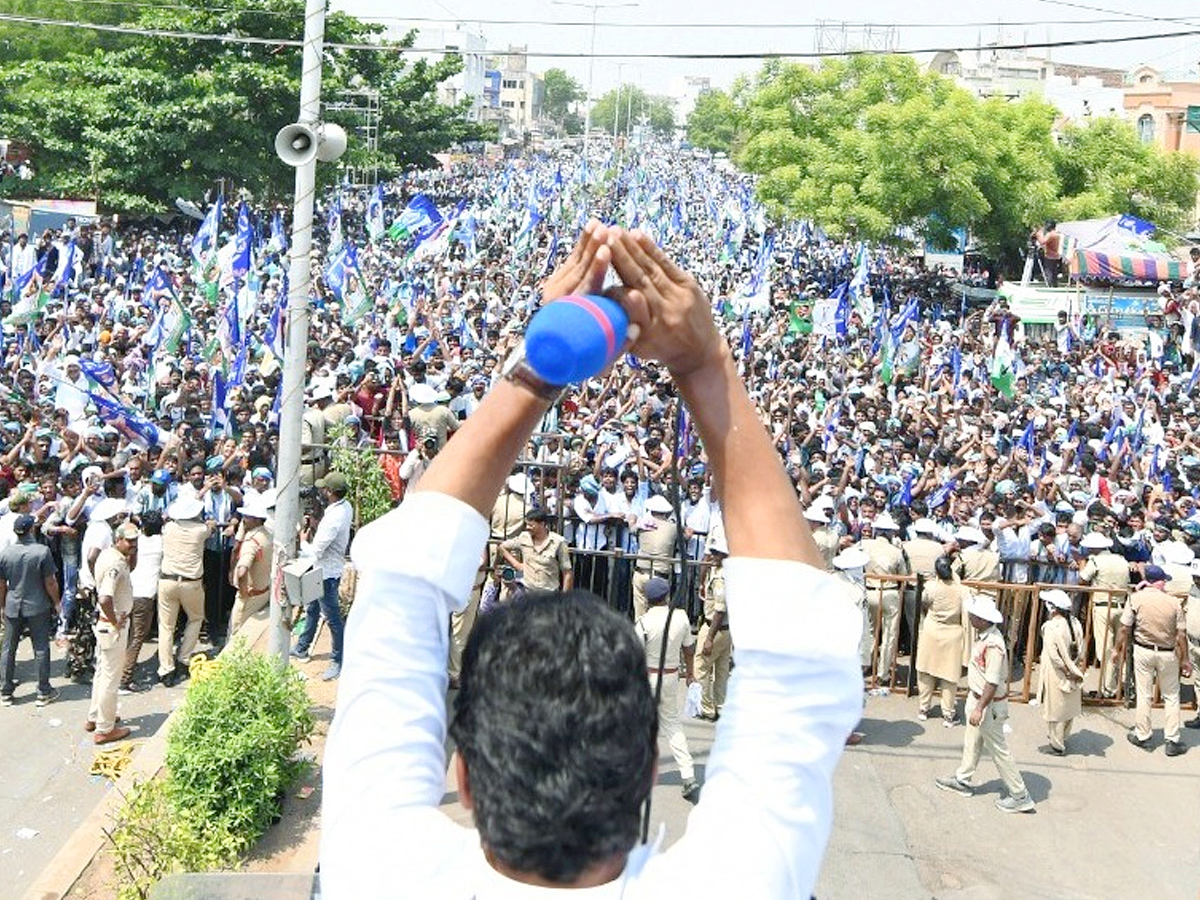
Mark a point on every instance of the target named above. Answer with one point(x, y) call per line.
point(1159, 110)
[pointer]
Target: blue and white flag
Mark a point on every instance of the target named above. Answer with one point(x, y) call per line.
point(204, 244)
point(421, 214)
point(242, 242)
point(375, 225)
point(333, 224)
point(127, 420)
point(279, 241)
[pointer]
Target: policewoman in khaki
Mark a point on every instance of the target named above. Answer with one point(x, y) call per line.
point(1105, 569)
point(1060, 675)
point(716, 647)
point(939, 648)
point(987, 711)
point(251, 572)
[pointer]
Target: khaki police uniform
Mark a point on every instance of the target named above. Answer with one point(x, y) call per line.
point(253, 552)
point(921, 553)
point(180, 587)
point(885, 559)
point(977, 564)
point(543, 565)
point(655, 547)
point(989, 665)
point(112, 580)
point(712, 671)
point(1157, 622)
point(939, 650)
point(312, 455)
point(827, 541)
point(1060, 676)
point(1106, 570)
point(652, 629)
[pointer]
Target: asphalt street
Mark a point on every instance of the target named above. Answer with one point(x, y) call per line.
point(45, 757)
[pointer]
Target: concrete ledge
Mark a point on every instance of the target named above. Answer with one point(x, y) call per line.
point(58, 878)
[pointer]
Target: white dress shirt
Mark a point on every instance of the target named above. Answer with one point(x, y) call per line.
point(332, 537)
point(795, 695)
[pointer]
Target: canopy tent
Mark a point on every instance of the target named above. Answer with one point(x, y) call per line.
point(1118, 248)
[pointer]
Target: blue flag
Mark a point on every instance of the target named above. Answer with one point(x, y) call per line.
point(126, 419)
point(99, 372)
point(278, 236)
point(242, 241)
point(204, 244)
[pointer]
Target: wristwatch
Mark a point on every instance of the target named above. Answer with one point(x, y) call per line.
point(518, 370)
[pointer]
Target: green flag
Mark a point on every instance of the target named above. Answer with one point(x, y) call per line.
point(179, 328)
point(1002, 376)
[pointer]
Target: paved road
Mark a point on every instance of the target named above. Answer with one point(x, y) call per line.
point(45, 756)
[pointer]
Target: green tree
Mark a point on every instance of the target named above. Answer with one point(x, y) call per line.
point(560, 93)
point(657, 112)
point(22, 41)
point(1105, 169)
point(873, 144)
point(713, 123)
point(168, 117)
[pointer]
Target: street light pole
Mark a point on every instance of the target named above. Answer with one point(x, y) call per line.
point(287, 504)
point(595, 8)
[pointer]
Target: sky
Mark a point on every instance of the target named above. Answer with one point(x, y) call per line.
point(792, 27)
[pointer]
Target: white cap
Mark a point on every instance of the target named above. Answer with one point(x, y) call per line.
point(185, 508)
point(816, 513)
point(107, 509)
point(518, 484)
point(1094, 540)
point(658, 504)
point(1056, 598)
point(422, 394)
point(851, 558)
point(984, 607)
point(255, 508)
point(925, 526)
point(885, 522)
point(969, 535)
point(321, 391)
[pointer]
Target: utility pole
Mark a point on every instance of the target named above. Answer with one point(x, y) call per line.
point(595, 8)
point(299, 145)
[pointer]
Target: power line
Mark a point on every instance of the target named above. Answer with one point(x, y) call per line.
point(555, 54)
point(1141, 17)
point(1124, 18)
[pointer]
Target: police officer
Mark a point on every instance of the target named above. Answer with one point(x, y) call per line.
point(1154, 619)
point(1105, 569)
point(680, 646)
point(826, 538)
point(987, 711)
point(716, 648)
point(656, 544)
point(114, 599)
point(885, 558)
point(1060, 675)
point(1192, 620)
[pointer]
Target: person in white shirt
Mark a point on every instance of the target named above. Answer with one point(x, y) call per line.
point(24, 256)
point(144, 579)
point(327, 546)
point(555, 722)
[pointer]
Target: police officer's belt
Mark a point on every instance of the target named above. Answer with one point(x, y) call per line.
point(170, 577)
point(651, 569)
point(1155, 647)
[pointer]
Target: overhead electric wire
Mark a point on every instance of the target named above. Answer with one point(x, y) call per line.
point(559, 54)
point(1141, 17)
point(635, 26)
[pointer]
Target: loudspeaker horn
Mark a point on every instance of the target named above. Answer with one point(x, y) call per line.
point(297, 144)
point(332, 144)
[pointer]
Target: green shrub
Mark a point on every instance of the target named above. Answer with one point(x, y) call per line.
point(232, 749)
point(369, 494)
point(231, 753)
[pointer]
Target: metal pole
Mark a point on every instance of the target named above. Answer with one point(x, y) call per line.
point(287, 506)
point(587, 115)
point(617, 105)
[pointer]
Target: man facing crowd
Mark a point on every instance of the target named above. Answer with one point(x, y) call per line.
point(555, 721)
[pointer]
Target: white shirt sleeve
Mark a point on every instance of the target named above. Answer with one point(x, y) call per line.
point(793, 699)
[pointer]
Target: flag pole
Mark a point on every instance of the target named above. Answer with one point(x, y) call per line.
point(287, 507)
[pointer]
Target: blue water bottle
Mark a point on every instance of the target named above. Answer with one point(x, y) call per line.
point(574, 338)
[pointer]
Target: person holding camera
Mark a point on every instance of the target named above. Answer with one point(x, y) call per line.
point(540, 557)
point(555, 722)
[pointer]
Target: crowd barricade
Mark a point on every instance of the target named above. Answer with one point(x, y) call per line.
point(1096, 608)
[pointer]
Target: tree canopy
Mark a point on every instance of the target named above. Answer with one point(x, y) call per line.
point(713, 122)
point(658, 112)
point(151, 118)
point(560, 92)
point(873, 144)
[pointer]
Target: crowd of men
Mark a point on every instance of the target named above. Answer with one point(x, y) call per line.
point(141, 367)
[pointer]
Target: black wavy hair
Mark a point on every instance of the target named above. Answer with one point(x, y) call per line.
point(558, 728)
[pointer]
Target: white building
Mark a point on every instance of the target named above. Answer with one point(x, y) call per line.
point(684, 92)
point(467, 84)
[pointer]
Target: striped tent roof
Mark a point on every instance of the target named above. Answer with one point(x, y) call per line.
point(1136, 267)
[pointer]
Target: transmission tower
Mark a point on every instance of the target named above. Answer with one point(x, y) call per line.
point(360, 109)
point(839, 38)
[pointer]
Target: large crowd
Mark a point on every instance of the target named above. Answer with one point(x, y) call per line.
point(142, 364)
